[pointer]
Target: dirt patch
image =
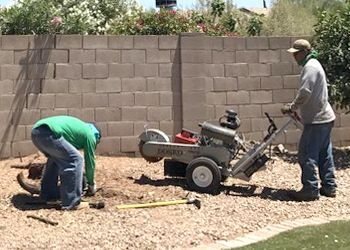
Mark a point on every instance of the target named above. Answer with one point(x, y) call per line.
point(239, 208)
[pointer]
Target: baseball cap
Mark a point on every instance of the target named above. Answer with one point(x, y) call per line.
point(299, 45)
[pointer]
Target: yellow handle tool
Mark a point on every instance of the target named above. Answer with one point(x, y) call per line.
point(196, 202)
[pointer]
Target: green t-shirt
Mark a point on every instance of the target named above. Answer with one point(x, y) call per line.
point(79, 134)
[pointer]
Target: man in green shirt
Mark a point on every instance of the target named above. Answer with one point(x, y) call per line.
point(60, 138)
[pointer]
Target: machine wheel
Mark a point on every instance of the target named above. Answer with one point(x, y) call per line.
point(152, 135)
point(203, 175)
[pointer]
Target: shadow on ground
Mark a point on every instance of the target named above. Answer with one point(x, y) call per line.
point(27, 202)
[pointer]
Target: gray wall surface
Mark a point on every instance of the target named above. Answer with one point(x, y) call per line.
point(126, 82)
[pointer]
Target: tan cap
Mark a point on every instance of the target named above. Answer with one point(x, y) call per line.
point(300, 44)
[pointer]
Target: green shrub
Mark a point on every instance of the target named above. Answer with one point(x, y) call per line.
point(332, 40)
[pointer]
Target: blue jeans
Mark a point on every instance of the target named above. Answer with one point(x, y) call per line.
point(64, 164)
point(315, 151)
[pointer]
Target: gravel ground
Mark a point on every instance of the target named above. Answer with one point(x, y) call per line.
point(239, 208)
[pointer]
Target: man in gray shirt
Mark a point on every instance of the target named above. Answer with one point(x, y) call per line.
point(315, 146)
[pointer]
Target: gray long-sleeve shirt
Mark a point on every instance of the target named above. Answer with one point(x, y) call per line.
point(312, 97)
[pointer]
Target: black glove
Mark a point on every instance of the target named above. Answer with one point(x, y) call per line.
point(286, 109)
point(91, 190)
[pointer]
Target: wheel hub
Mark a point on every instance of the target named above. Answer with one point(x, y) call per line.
point(202, 176)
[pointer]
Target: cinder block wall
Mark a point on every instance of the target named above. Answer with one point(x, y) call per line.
point(124, 83)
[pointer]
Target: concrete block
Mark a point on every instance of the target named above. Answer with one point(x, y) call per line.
point(249, 111)
point(216, 98)
point(68, 101)
point(5, 150)
point(121, 99)
point(195, 70)
point(293, 136)
point(6, 102)
point(121, 70)
point(86, 114)
point(27, 56)
point(259, 124)
point(234, 43)
point(145, 42)
point(159, 84)
point(95, 100)
point(236, 69)
point(23, 148)
point(296, 69)
point(159, 114)
point(120, 128)
point(42, 41)
point(247, 56)
point(196, 56)
point(69, 41)
point(134, 113)
point(108, 56)
point(194, 112)
point(257, 43)
point(260, 97)
point(291, 82)
point(287, 57)
point(13, 72)
point(133, 84)
point(147, 99)
point(39, 101)
point(110, 85)
point(168, 42)
point(193, 98)
point(54, 86)
point(129, 144)
point(82, 86)
point(109, 146)
point(246, 125)
point(254, 136)
point(170, 99)
point(6, 57)
point(40, 71)
point(52, 112)
point(107, 115)
point(274, 109)
point(25, 116)
point(120, 42)
point(157, 56)
point(15, 42)
point(169, 70)
point(225, 84)
point(248, 83)
point(269, 56)
point(223, 57)
point(170, 127)
point(54, 56)
point(283, 68)
point(259, 69)
point(6, 87)
point(201, 42)
point(146, 70)
point(283, 95)
point(5, 119)
point(139, 126)
point(68, 71)
point(24, 87)
point(272, 82)
point(238, 97)
point(82, 56)
point(95, 70)
point(95, 42)
point(279, 42)
point(175, 56)
point(133, 56)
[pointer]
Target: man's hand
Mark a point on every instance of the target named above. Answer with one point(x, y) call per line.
point(287, 108)
point(91, 190)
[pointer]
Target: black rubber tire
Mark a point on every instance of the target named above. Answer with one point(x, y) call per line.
point(208, 165)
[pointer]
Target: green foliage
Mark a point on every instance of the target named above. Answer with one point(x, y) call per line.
point(27, 17)
point(332, 41)
point(333, 235)
point(217, 8)
point(254, 26)
point(289, 19)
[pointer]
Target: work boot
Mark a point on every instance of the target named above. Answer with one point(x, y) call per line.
point(328, 192)
point(303, 195)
